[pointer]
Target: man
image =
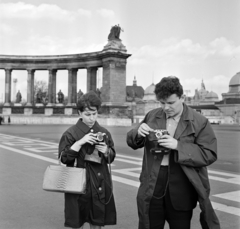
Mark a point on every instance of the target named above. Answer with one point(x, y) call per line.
point(178, 145)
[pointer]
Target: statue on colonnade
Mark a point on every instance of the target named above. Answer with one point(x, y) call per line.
point(60, 97)
point(18, 97)
point(79, 94)
point(39, 96)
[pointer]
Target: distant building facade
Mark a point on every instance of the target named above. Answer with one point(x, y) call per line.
point(230, 104)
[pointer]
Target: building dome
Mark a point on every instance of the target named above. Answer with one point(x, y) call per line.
point(150, 89)
point(235, 80)
point(211, 95)
point(149, 94)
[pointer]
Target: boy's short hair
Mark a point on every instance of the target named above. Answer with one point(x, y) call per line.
point(168, 86)
point(89, 100)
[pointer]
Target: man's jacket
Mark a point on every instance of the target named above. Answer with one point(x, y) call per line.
point(197, 148)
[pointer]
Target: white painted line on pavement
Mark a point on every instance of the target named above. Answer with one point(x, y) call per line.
point(216, 206)
point(127, 161)
point(231, 181)
point(128, 172)
point(234, 196)
point(225, 208)
point(126, 181)
point(129, 157)
point(30, 154)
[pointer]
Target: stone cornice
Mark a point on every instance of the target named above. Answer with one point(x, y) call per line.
point(83, 60)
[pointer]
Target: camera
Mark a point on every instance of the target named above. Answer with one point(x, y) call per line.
point(160, 133)
point(95, 156)
point(154, 137)
point(100, 137)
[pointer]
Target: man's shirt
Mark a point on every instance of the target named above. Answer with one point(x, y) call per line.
point(171, 125)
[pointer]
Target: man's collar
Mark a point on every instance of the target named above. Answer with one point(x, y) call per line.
point(187, 113)
point(177, 116)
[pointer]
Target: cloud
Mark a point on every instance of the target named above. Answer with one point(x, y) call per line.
point(173, 50)
point(106, 13)
point(6, 29)
point(22, 10)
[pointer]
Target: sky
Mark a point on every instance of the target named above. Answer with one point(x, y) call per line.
point(194, 40)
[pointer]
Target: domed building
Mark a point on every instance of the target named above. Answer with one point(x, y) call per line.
point(149, 101)
point(230, 105)
point(234, 88)
point(149, 93)
point(211, 96)
point(203, 97)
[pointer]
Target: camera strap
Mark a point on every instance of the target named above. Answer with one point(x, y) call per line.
point(156, 197)
point(111, 185)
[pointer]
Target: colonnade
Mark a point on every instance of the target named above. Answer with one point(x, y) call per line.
point(112, 59)
point(52, 75)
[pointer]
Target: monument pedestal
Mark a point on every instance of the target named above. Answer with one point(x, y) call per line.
point(114, 110)
point(17, 104)
point(38, 105)
point(59, 105)
point(115, 46)
point(48, 111)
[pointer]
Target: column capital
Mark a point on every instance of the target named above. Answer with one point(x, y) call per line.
point(8, 69)
point(30, 71)
point(53, 70)
point(72, 69)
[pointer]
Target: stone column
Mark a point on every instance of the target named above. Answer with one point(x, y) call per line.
point(70, 86)
point(74, 86)
point(30, 87)
point(8, 82)
point(54, 86)
point(51, 87)
point(91, 79)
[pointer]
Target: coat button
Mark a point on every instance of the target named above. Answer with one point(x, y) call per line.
point(91, 130)
point(100, 189)
point(99, 174)
point(155, 157)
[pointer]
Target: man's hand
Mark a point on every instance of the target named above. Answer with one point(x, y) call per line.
point(168, 142)
point(143, 130)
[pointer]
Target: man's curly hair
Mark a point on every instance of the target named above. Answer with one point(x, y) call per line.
point(168, 86)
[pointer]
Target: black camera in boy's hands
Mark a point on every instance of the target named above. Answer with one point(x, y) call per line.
point(154, 136)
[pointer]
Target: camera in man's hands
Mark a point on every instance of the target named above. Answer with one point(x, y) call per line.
point(156, 135)
point(160, 133)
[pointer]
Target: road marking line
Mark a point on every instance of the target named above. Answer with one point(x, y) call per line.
point(234, 196)
point(231, 181)
point(225, 208)
point(30, 154)
point(127, 161)
point(126, 181)
point(129, 157)
point(138, 161)
point(216, 206)
point(128, 172)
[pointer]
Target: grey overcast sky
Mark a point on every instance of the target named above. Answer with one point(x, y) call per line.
point(194, 40)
